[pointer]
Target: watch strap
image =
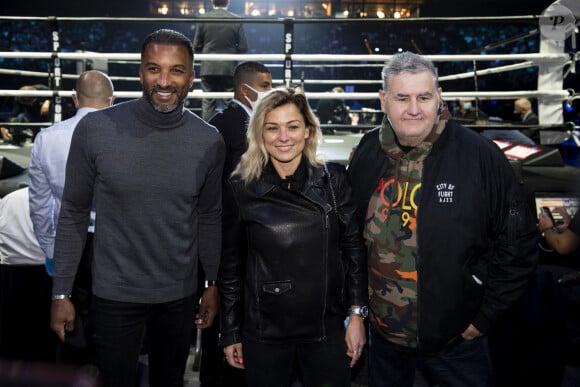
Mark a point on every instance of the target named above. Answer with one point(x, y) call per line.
point(361, 311)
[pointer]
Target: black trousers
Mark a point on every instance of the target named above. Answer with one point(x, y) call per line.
point(215, 83)
point(316, 364)
point(120, 329)
point(214, 370)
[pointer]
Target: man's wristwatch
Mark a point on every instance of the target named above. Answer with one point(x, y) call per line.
point(59, 296)
point(362, 311)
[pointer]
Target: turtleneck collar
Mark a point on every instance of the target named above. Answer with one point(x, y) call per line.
point(151, 117)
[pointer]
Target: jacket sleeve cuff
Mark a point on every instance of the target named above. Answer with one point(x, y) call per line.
point(62, 285)
point(229, 338)
point(482, 324)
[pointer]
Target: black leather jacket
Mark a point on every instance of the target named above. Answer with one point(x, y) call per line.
point(290, 266)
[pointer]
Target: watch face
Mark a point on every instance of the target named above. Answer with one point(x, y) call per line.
point(364, 311)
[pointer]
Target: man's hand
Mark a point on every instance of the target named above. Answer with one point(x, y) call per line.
point(6, 136)
point(471, 333)
point(62, 316)
point(566, 218)
point(208, 308)
point(45, 107)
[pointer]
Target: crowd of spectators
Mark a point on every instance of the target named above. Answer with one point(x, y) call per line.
point(339, 37)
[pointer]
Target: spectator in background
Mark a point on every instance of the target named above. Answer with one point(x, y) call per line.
point(93, 91)
point(565, 240)
point(218, 38)
point(333, 111)
point(523, 109)
point(467, 112)
point(24, 286)
point(564, 237)
point(251, 81)
point(523, 353)
point(24, 110)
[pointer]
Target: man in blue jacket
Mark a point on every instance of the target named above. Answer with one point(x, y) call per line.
point(451, 241)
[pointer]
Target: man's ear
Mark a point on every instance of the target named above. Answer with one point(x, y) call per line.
point(382, 96)
point(244, 89)
point(441, 102)
point(192, 79)
point(75, 100)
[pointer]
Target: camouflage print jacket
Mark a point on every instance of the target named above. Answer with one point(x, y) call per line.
point(475, 237)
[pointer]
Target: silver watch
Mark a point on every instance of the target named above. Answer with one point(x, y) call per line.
point(362, 311)
point(60, 296)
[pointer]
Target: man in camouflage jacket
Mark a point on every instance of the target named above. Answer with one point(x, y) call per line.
point(451, 241)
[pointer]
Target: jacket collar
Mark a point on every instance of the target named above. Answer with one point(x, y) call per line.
point(312, 188)
point(391, 147)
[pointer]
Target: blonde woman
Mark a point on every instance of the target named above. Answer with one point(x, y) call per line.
point(293, 263)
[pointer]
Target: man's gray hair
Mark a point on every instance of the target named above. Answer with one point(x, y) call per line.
point(407, 62)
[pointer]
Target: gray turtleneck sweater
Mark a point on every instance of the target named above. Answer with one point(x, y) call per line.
point(156, 180)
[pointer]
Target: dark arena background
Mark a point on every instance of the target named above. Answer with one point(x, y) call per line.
point(492, 52)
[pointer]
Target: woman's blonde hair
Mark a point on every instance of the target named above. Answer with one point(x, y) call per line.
point(256, 157)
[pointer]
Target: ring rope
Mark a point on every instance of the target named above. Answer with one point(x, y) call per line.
point(198, 94)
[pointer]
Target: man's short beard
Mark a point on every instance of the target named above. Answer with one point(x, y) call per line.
point(162, 108)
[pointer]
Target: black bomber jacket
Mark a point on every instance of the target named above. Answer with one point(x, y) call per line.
point(477, 248)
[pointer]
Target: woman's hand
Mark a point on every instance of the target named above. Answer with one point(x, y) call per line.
point(234, 355)
point(355, 338)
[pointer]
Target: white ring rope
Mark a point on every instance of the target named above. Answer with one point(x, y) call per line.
point(196, 94)
point(42, 74)
point(529, 60)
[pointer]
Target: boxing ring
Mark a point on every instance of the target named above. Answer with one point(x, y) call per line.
point(555, 60)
